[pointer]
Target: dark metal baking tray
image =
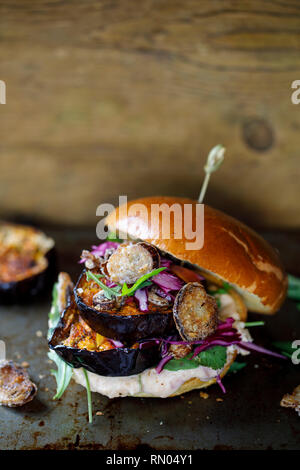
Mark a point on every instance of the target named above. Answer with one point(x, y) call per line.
point(249, 417)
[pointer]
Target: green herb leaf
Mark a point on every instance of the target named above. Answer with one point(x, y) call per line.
point(89, 396)
point(62, 375)
point(138, 284)
point(112, 237)
point(248, 324)
point(182, 364)
point(236, 366)
point(293, 287)
point(214, 357)
point(294, 282)
point(109, 292)
point(221, 290)
point(285, 347)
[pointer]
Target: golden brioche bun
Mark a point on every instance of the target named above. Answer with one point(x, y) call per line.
point(232, 252)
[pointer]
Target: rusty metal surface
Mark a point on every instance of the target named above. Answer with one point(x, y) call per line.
point(249, 417)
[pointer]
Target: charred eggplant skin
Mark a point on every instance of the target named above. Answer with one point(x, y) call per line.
point(125, 328)
point(25, 290)
point(117, 362)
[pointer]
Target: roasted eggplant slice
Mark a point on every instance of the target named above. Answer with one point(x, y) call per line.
point(78, 345)
point(129, 262)
point(156, 299)
point(16, 388)
point(195, 312)
point(26, 262)
point(124, 322)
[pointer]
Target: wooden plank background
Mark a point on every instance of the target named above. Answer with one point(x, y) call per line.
point(126, 97)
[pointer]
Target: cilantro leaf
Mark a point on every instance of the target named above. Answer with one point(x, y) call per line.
point(214, 357)
point(182, 364)
point(140, 281)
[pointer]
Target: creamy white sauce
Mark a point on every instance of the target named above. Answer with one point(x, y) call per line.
point(162, 385)
point(148, 382)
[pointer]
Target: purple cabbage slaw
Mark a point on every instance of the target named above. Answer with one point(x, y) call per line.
point(219, 382)
point(164, 262)
point(167, 282)
point(141, 295)
point(225, 335)
point(100, 250)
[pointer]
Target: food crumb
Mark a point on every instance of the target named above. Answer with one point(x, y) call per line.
point(39, 333)
point(292, 400)
point(99, 413)
point(204, 395)
point(219, 399)
point(25, 364)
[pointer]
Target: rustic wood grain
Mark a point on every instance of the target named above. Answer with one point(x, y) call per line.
point(110, 97)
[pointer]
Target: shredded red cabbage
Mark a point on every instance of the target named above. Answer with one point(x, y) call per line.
point(219, 382)
point(100, 250)
point(253, 347)
point(225, 335)
point(226, 323)
point(164, 262)
point(141, 296)
point(164, 295)
point(109, 283)
point(162, 363)
point(167, 281)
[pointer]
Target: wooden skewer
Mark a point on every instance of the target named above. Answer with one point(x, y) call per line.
point(213, 162)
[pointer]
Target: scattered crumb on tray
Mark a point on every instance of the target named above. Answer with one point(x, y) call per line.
point(292, 400)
